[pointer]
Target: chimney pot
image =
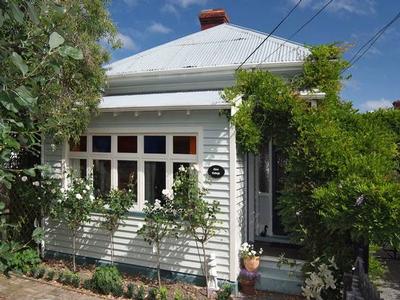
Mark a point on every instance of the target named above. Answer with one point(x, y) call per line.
point(396, 104)
point(212, 17)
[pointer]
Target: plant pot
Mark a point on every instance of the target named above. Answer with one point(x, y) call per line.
point(251, 263)
point(247, 286)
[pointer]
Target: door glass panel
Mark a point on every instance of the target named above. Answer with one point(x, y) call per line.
point(154, 144)
point(264, 169)
point(127, 175)
point(80, 146)
point(184, 144)
point(78, 167)
point(127, 144)
point(102, 143)
point(154, 179)
point(101, 176)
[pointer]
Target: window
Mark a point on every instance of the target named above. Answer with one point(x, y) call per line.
point(127, 144)
point(184, 144)
point(101, 176)
point(264, 169)
point(154, 144)
point(143, 162)
point(80, 146)
point(102, 143)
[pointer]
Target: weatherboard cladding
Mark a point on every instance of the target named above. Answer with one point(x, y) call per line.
point(222, 45)
point(177, 255)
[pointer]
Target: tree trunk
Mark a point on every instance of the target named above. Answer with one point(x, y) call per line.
point(205, 267)
point(158, 264)
point(112, 247)
point(73, 250)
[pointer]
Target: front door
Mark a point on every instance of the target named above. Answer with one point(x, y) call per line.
point(264, 173)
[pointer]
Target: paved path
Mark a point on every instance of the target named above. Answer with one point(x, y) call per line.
point(17, 288)
point(390, 285)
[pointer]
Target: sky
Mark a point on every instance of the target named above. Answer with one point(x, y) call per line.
point(375, 79)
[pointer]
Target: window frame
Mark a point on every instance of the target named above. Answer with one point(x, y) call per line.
point(140, 157)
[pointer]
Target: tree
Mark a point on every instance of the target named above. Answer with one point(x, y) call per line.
point(52, 77)
point(115, 207)
point(198, 217)
point(75, 206)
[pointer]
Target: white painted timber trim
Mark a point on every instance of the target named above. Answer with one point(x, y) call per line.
point(165, 108)
point(233, 251)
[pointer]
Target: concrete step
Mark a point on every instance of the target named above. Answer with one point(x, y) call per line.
point(286, 279)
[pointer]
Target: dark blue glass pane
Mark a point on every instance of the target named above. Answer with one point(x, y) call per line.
point(154, 144)
point(102, 143)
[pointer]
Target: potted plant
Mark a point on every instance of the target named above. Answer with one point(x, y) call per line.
point(250, 257)
point(247, 281)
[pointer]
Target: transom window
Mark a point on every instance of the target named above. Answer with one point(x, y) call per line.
point(146, 163)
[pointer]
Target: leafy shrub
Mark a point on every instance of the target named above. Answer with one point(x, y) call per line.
point(61, 277)
point(68, 277)
point(178, 295)
point(41, 272)
point(152, 294)
point(225, 292)
point(87, 284)
point(75, 280)
point(105, 278)
point(130, 291)
point(34, 271)
point(140, 293)
point(24, 260)
point(376, 268)
point(163, 293)
point(50, 275)
point(117, 290)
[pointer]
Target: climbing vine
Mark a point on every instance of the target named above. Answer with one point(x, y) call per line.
point(341, 185)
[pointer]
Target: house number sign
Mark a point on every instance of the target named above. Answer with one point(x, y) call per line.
point(216, 171)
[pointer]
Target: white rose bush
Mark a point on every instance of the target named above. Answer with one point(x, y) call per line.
point(74, 207)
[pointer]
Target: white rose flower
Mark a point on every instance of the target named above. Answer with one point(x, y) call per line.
point(62, 190)
point(91, 197)
point(78, 196)
point(87, 187)
point(59, 200)
point(53, 191)
point(106, 206)
point(181, 168)
point(24, 178)
point(36, 183)
point(84, 191)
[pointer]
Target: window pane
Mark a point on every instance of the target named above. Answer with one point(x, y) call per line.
point(127, 174)
point(177, 165)
point(101, 176)
point(154, 178)
point(184, 144)
point(102, 143)
point(154, 144)
point(80, 146)
point(78, 167)
point(127, 144)
point(264, 169)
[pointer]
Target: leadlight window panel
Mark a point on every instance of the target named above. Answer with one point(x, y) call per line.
point(127, 175)
point(154, 180)
point(101, 143)
point(184, 144)
point(101, 176)
point(127, 144)
point(80, 146)
point(155, 144)
point(79, 167)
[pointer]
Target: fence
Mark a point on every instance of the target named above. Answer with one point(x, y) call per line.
point(357, 286)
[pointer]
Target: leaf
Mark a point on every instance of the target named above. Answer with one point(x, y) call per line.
point(55, 40)
point(19, 62)
point(1, 18)
point(38, 234)
point(17, 14)
point(32, 13)
point(30, 172)
point(2, 206)
point(72, 52)
point(25, 97)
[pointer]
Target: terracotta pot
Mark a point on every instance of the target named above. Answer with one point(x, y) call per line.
point(247, 286)
point(251, 264)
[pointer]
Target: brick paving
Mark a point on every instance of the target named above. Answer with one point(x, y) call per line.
point(18, 288)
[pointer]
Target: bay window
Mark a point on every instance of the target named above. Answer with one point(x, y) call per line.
point(144, 163)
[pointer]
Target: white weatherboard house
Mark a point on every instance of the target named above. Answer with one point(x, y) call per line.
point(162, 109)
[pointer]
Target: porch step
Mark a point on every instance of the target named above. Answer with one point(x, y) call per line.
point(286, 279)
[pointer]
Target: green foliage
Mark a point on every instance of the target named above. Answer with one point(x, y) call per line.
point(376, 268)
point(75, 280)
point(52, 75)
point(106, 279)
point(87, 284)
point(50, 275)
point(178, 295)
point(140, 293)
point(41, 272)
point(225, 292)
point(340, 181)
point(130, 291)
point(117, 290)
point(75, 205)
point(152, 294)
point(163, 293)
point(24, 260)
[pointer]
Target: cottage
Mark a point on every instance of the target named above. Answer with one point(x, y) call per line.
point(162, 109)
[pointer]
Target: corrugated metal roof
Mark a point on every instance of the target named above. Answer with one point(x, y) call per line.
point(223, 45)
point(178, 100)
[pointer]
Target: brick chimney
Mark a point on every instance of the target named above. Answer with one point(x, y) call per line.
point(396, 104)
point(212, 17)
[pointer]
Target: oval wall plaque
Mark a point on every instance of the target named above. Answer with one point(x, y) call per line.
point(216, 171)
